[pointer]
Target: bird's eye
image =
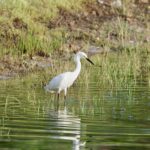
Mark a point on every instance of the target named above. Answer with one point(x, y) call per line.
point(74, 52)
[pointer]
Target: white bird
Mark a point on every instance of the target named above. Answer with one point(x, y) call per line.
point(63, 81)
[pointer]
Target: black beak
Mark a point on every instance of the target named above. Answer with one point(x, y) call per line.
point(89, 61)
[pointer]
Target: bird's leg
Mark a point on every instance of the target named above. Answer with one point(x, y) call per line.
point(58, 94)
point(57, 102)
point(65, 95)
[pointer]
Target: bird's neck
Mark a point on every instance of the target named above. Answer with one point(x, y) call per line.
point(78, 67)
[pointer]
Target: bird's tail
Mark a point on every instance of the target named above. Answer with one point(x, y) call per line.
point(47, 89)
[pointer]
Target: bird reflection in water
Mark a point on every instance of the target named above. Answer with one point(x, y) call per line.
point(68, 127)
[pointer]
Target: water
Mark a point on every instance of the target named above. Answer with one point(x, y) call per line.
point(94, 117)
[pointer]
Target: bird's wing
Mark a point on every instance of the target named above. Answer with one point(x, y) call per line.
point(67, 80)
point(60, 82)
point(55, 82)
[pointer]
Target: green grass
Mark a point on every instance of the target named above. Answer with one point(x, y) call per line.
point(24, 31)
point(24, 27)
point(32, 16)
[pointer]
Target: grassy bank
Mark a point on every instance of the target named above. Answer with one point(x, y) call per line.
point(24, 25)
point(32, 31)
point(31, 26)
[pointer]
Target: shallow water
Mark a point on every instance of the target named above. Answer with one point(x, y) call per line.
point(93, 117)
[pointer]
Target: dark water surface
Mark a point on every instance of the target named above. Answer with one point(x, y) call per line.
point(93, 118)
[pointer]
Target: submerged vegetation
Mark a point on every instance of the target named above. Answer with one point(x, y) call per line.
point(39, 32)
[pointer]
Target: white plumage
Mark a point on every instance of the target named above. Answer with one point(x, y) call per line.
point(65, 80)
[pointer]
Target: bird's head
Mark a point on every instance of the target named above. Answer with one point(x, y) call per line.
point(83, 55)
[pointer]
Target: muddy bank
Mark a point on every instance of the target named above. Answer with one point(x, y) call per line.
point(99, 25)
point(11, 67)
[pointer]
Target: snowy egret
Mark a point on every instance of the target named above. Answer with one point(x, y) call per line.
point(63, 81)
